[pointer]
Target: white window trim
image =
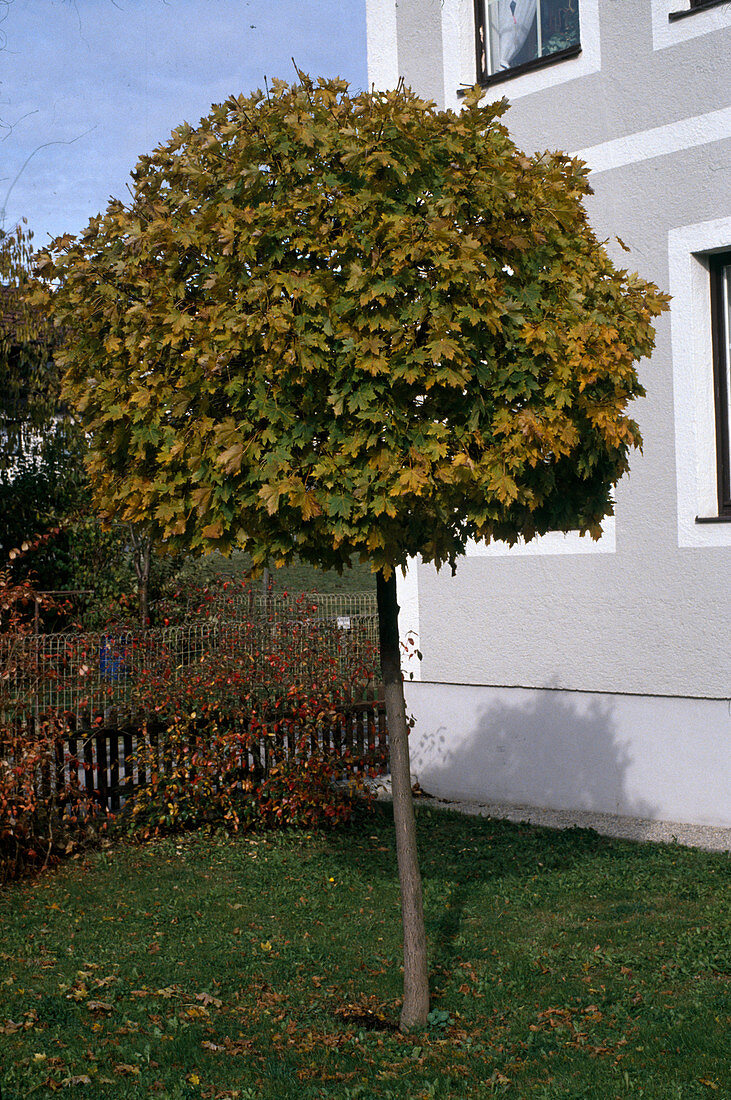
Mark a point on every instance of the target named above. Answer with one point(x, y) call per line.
point(555, 542)
point(407, 589)
point(458, 37)
point(382, 44)
point(665, 33)
point(692, 352)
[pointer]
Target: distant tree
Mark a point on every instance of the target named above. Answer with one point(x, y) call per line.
point(42, 474)
point(43, 480)
point(29, 380)
point(346, 327)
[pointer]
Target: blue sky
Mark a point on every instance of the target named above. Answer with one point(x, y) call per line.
point(86, 86)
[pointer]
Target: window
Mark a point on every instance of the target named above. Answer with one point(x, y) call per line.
point(694, 6)
point(696, 256)
point(516, 36)
point(720, 269)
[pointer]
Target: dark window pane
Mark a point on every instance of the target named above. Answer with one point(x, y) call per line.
point(721, 316)
point(560, 25)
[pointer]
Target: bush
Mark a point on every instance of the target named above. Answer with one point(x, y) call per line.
point(40, 823)
point(247, 733)
point(241, 728)
point(40, 818)
point(240, 778)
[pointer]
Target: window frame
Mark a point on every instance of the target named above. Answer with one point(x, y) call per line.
point(485, 79)
point(693, 7)
point(719, 266)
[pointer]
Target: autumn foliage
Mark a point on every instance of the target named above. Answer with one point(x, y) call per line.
point(351, 326)
point(247, 732)
point(38, 820)
point(251, 734)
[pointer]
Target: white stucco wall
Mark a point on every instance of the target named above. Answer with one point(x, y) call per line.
point(382, 44)
point(639, 620)
point(662, 759)
point(645, 609)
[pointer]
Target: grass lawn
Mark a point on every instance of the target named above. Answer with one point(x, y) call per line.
point(562, 965)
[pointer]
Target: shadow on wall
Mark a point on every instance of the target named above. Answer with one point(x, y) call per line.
point(547, 749)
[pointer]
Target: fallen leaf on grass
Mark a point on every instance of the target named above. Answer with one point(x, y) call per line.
point(99, 1006)
point(708, 1083)
point(99, 983)
point(231, 1047)
point(125, 1070)
point(80, 1079)
point(367, 1012)
point(207, 999)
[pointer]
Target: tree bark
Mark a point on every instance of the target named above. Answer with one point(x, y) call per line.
point(141, 558)
point(416, 976)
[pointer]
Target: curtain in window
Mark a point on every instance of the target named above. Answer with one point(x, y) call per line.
point(515, 19)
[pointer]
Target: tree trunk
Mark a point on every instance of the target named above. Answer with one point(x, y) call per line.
point(145, 586)
point(141, 559)
point(416, 976)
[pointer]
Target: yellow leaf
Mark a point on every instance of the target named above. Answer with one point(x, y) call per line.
point(411, 481)
point(230, 459)
point(201, 498)
point(270, 494)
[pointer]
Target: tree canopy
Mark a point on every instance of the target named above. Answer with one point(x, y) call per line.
point(335, 326)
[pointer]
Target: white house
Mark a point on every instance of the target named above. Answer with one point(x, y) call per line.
point(596, 675)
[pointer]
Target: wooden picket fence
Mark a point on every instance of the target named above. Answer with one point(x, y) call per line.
point(106, 758)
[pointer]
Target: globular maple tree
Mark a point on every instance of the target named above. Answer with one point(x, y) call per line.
point(352, 326)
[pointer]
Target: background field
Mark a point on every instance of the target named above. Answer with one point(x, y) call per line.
point(295, 578)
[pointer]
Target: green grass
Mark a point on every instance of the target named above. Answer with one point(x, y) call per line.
point(563, 965)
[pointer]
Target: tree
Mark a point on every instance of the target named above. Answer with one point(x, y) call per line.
point(352, 327)
point(29, 382)
point(43, 481)
point(42, 473)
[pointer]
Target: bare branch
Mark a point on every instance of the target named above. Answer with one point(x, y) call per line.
point(45, 145)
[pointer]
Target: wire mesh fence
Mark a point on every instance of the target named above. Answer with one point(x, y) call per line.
point(93, 673)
